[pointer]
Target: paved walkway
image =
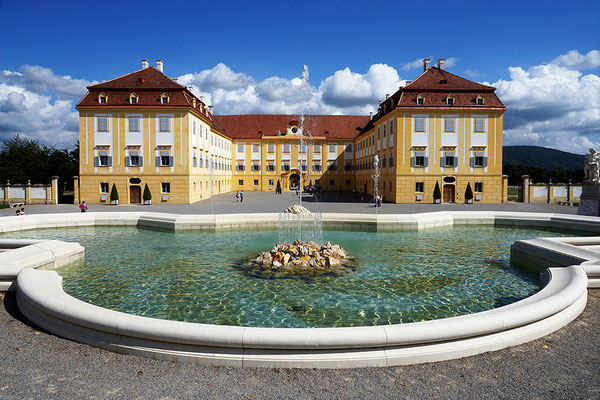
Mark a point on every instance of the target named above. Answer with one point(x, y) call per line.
point(271, 202)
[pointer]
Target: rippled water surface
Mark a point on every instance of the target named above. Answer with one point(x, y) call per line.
point(193, 276)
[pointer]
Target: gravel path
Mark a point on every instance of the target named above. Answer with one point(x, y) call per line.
point(38, 365)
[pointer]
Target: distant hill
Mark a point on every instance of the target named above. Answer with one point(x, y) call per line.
point(541, 157)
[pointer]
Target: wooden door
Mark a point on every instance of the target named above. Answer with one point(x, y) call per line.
point(135, 194)
point(448, 196)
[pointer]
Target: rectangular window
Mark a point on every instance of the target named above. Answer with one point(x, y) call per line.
point(102, 124)
point(286, 166)
point(348, 166)
point(103, 159)
point(391, 162)
point(255, 167)
point(303, 167)
point(240, 147)
point(449, 159)
point(256, 182)
point(332, 148)
point(349, 148)
point(479, 187)
point(134, 158)
point(317, 148)
point(419, 124)
point(332, 166)
point(286, 148)
point(478, 159)
point(270, 167)
point(104, 187)
point(271, 148)
point(316, 167)
point(347, 182)
point(303, 148)
point(164, 159)
point(240, 167)
point(164, 124)
point(134, 124)
point(449, 124)
point(332, 182)
point(241, 182)
point(384, 130)
point(165, 187)
point(378, 133)
point(419, 160)
point(479, 125)
point(419, 187)
point(270, 182)
point(256, 147)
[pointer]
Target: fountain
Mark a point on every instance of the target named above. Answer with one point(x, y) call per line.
point(375, 177)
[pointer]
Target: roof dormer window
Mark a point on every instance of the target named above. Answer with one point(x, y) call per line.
point(480, 100)
point(420, 100)
point(102, 98)
point(133, 98)
point(164, 99)
point(450, 100)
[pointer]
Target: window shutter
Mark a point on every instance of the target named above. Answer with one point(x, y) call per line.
point(171, 163)
point(485, 161)
point(426, 162)
point(456, 161)
point(110, 161)
point(96, 161)
point(412, 161)
point(127, 161)
point(158, 161)
point(442, 161)
point(472, 162)
point(141, 161)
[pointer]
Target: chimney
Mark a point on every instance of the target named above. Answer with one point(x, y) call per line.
point(159, 65)
point(387, 96)
point(145, 64)
point(441, 63)
point(210, 109)
point(370, 115)
point(426, 64)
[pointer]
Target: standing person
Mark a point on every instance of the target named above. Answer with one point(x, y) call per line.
point(83, 206)
point(237, 196)
point(241, 196)
point(297, 191)
point(23, 211)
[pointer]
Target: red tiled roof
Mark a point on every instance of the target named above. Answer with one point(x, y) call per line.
point(259, 125)
point(146, 78)
point(433, 77)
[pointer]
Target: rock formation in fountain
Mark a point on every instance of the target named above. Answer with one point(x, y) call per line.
point(303, 258)
point(297, 209)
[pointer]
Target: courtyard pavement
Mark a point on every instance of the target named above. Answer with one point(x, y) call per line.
point(37, 364)
point(256, 202)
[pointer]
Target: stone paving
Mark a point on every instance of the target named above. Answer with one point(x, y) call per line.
point(36, 364)
point(271, 202)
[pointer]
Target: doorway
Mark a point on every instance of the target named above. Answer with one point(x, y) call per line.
point(135, 194)
point(448, 196)
point(294, 181)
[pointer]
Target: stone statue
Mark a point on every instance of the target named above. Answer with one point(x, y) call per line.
point(591, 170)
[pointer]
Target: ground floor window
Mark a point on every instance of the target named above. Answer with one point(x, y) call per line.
point(479, 187)
point(270, 182)
point(256, 182)
point(419, 186)
point(104, 187)
point(240, 182)
point(347, 182)
point(165, 187)
point(332, 182)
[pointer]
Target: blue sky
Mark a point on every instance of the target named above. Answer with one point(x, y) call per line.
point(354, 50)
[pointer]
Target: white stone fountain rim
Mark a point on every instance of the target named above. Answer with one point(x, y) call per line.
point(41, 299)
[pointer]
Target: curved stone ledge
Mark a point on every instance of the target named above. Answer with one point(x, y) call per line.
point(41, 299)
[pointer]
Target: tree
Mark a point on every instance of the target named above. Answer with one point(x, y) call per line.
point(469, 193)
point(147, 195)
point(437, 194)
point(114, 195)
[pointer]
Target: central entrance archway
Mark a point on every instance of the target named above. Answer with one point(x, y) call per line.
point(294, 181)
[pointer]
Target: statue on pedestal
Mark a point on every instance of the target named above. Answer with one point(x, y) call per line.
point(591, 170)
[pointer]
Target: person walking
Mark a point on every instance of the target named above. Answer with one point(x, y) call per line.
point(237, 196)
point(241, 196)
point(83, 206)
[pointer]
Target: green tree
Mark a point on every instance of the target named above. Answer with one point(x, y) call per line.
point(469, 192)
point(147, 195)
point(114, 194)
point(437, 193)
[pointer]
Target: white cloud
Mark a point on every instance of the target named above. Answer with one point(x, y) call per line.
point(413, 64)
point(450, 62)
point(575, 60)
point(38, 104)
point(551, 105)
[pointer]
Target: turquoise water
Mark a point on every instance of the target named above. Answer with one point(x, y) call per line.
point(194, 276)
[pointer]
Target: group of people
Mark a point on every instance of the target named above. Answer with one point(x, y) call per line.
point(21, 211)
point(239, 196)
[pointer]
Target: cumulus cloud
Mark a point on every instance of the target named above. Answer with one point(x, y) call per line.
point(575, 60)
point(551, 105)
point(413, 64)
point(38, 104)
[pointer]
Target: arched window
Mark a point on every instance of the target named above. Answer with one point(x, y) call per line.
point(102, 98)
point(480, 100)
point(420, 100)
point(164, 99)
point(450, 100)
point(134, 98)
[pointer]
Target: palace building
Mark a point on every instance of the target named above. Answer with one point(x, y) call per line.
point(144, 128)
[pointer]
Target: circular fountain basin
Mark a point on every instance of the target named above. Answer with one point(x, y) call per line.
point(41, 298)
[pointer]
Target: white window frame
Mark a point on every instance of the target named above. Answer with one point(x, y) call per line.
point(474, 119)
point(108, 122)
point(159, 118)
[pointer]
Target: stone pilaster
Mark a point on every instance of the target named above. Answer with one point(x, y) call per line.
point(28, 192)
point(76, 199)
point(54, 189)
point(526, 183)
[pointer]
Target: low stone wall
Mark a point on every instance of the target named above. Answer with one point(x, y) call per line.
point(562, 298)
point(30, 193)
